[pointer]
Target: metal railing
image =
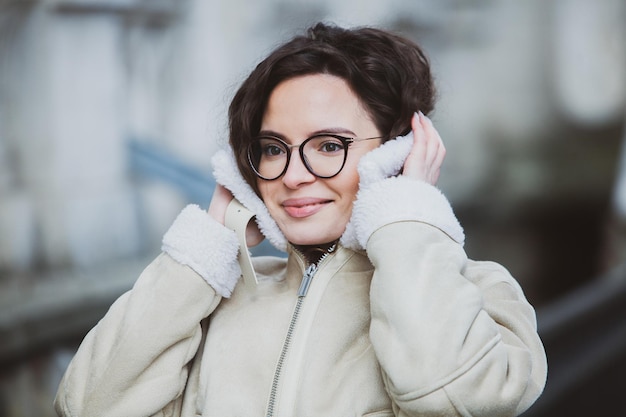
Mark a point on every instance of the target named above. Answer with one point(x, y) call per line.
point(584, 334)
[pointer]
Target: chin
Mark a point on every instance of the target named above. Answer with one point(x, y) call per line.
point(312, 240)
point(303, 235)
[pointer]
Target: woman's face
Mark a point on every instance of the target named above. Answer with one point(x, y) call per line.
point(311, 210)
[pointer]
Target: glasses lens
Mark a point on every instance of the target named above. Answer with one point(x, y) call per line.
point(268, 157)
point(325, 155)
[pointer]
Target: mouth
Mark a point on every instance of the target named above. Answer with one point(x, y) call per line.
point(304, 207)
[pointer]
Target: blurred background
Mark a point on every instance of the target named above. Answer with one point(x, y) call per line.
point(111, 109)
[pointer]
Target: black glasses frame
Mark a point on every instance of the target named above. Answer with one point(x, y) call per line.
point(346, 141)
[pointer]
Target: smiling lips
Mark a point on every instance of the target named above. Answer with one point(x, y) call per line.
point(304, 207)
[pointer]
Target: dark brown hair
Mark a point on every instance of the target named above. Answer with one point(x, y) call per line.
point(390, 74)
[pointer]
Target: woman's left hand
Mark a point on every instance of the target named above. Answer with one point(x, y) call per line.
point(428, 152)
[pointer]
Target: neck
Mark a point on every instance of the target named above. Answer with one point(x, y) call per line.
point(313, 253)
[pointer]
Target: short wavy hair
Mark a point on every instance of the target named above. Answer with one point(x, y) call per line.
point(389, 73)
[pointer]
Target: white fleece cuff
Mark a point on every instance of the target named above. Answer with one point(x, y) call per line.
point(197, 240)
point(398, 199)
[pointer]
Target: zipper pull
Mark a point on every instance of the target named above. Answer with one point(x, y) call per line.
point(306, 280)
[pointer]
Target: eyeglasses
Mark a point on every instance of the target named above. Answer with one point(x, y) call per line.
point(323, 155)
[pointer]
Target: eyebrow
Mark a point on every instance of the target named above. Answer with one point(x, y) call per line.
point(333, 130)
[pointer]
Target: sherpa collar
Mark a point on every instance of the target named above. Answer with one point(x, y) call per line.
point(383, 162)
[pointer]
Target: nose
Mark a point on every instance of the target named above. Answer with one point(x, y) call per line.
point(297, 174)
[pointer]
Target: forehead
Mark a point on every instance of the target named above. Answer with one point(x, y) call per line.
point(306, 104)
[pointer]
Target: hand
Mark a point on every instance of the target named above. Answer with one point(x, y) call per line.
point(217, 209)
point(428, 152)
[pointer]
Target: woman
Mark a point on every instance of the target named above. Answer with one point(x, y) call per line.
point(376, 311)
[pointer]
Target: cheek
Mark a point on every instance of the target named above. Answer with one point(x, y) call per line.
point(350, 174)
point(350, 185)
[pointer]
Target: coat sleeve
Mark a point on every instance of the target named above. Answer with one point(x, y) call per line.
point(453, 337)
point(135, 361)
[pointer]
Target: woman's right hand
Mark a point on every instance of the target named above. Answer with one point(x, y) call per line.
point(217, 209)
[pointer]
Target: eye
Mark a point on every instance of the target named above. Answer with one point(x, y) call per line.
point(271, 148)
point(329, 145)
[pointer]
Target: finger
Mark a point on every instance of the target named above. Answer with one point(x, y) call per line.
point(432, 138)
point(436, 158)
point(414, 163)
point(219, 201)
point(434, 177)
point(419, 137)
point(440, 157)
point(253, 234)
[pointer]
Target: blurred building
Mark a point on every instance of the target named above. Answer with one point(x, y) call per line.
point(111, 109)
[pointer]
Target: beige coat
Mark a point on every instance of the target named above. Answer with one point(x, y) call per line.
point(397, 321)
point(424, 331)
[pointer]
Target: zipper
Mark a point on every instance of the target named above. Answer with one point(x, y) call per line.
point(309, 273)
